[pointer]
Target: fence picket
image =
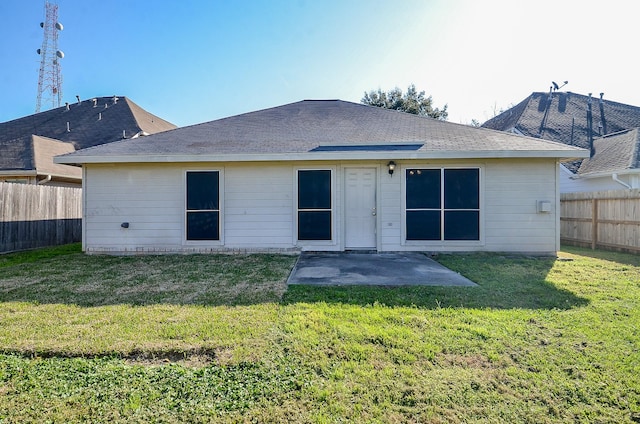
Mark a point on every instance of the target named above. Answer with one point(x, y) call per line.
point(602, 219)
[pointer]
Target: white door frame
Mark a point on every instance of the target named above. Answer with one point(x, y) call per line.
point(368, 241)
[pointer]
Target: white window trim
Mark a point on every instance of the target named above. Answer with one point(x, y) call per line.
point(442, 243)
point(314, 243)
point(220, 241)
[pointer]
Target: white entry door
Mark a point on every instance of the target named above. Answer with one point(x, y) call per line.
point(360, 208)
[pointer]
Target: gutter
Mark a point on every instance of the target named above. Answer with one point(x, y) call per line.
point(320, 156)
point(46, 180)
point(615, 178)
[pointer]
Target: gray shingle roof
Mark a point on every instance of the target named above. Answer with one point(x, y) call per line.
point(301, 128)
point(562, 117)
point(88, 126)
point(566, 118)
point(614, 153)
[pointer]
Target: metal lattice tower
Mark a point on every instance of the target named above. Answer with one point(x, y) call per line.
point(50, 76)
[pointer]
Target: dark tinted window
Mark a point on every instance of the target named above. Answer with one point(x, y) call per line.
point(423, 225)
point(423, 188)
point(314, 225)
point(203, 205)
point(461, 189)
point(461, 225)
point(202, 190)
point(314, 189)
point(203, 226)
point(314, 192)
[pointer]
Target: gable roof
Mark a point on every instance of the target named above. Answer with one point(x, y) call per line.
point(562, 117)
point(320, 130)
point(614, 153)
point(32, 155)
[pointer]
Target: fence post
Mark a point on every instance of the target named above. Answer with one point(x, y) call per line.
point(594, 223)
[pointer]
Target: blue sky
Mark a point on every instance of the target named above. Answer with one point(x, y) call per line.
point(194, 61)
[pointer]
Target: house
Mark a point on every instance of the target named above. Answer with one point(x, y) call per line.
point(322, 175)
point(575, 120)
point(617, 159)
point(28, 144)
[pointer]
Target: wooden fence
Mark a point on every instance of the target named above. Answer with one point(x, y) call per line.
point(37, 216)
point(603, 219)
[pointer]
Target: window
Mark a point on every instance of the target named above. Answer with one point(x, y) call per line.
point(443, 204)
point(314, 204)
point(203, 205)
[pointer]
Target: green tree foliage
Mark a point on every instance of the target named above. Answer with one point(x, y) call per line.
point(411, 102)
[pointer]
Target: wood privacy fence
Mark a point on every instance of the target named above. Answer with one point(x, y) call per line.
point(602, 219)
point(37, 216)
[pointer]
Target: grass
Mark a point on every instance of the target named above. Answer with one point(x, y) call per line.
point(221, 339)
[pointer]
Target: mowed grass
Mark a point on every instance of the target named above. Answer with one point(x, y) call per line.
point(220, 338)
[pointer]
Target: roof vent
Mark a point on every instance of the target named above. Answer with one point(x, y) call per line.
point(100, 116)
point(95, 102)
point(106, 105)
point(115, 100)
point(67, 105)
point(124, 134)
point(68, 127)
point(78, 97)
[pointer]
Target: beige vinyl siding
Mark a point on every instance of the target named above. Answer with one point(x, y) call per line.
point(258, 207)
point(509, 221)
point(149, 197)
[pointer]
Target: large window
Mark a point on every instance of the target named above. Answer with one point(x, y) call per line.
point(443, 204)
point(203, 205)
point(314, 204)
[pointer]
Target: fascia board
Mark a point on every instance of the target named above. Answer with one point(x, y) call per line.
point(323, 156)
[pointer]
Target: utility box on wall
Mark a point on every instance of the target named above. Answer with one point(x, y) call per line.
point(544, 206)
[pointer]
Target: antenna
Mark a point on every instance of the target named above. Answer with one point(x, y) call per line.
point(49, 76)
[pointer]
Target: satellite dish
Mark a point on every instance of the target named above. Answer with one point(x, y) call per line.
point(59, 26)
point(60, 54)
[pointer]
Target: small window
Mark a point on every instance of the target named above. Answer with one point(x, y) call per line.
point(443, 204)
point(203, 205)
point(314, 205)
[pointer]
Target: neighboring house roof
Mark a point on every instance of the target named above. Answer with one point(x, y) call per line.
point(32, 155)
point(322, 129)
point(566, 117)
point(562, 117)
point(615, 153)
point(79, 125)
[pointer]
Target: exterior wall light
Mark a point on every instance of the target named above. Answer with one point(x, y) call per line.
point(392, 167)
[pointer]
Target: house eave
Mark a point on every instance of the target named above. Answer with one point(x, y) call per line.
point(322, 156)
point(607, 174)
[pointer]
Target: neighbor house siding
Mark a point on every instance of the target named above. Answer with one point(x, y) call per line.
point(574, 185)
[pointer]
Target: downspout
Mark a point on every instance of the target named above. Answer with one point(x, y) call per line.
point(618, 180)
point(45, 180)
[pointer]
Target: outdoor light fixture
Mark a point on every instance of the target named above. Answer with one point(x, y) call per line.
point(392, 167)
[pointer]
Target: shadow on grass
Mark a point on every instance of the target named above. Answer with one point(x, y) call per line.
point(72, 278)
point(503, 283)
point(68, 277)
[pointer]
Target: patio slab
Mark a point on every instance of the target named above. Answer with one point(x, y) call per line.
point(373, 269)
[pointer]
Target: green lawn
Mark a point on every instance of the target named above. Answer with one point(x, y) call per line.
point(220, 338)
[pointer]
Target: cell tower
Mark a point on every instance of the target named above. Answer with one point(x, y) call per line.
point(50, 77)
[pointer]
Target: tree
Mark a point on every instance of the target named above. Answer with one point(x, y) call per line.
point(410, 102)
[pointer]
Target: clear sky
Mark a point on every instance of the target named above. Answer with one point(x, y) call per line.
point(192, 61)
